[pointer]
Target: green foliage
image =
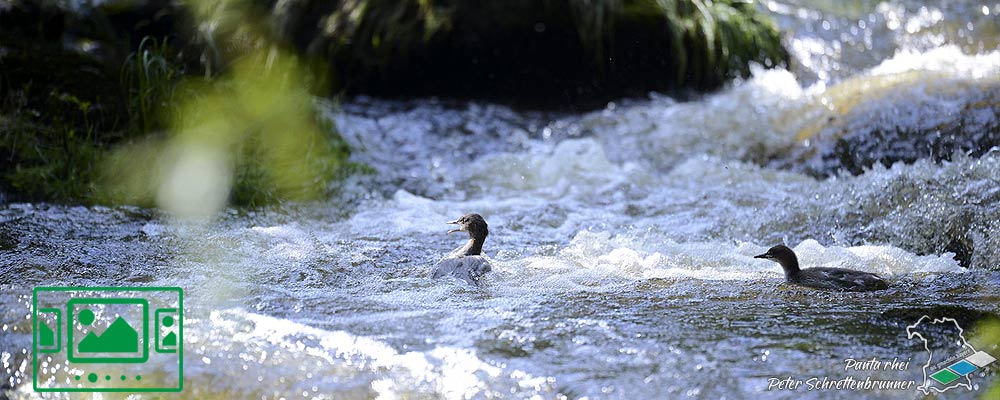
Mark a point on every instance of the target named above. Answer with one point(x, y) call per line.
point(387, 26)
point(150, 75)
point(48, 160)
point(719, 38)
point(987, 338)
point(249, 136)
point(709, 40)
point(60, 111)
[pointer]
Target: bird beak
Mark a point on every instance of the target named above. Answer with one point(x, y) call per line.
point(459, 229)
point(765, 255)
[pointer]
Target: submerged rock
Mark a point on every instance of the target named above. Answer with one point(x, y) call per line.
point(900, 118)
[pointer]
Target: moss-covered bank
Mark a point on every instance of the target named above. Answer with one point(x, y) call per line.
point(535, 53)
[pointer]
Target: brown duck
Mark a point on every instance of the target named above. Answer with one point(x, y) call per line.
point(841, 279)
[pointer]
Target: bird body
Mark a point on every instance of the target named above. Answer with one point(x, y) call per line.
point(466, 268)
point(841, 279)
point(838, 279)
point(467, 262)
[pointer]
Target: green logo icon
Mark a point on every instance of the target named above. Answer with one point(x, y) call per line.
point(108, 339)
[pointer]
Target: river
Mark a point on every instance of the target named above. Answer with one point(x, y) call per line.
point(621, 239)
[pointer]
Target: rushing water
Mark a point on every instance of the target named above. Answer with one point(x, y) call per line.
point(621, 240)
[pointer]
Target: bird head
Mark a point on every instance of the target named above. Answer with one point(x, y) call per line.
point(783, 255)
point(474, 224)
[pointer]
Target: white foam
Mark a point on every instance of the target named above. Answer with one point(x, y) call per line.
point(573, 167)
point(276, 349)
point(948, 59)
point(594, 256)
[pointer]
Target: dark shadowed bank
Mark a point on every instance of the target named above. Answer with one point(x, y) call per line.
point(79, 83)
point(527, 52)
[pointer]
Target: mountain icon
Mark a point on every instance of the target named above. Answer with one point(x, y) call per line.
point(170, 340)
point(120, 337)
point(46, 336)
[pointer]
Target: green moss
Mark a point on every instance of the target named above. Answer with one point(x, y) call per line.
point(151, 75)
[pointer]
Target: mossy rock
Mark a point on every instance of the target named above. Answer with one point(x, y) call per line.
point(531, 52)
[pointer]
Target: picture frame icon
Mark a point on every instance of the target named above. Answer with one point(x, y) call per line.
point(107, 339)
point(120, 342)
point(167, 330)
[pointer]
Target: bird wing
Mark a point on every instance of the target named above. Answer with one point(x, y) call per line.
point(467, 268)
point(845, 279)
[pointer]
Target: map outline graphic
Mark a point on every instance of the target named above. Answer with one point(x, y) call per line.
point(926, 387)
